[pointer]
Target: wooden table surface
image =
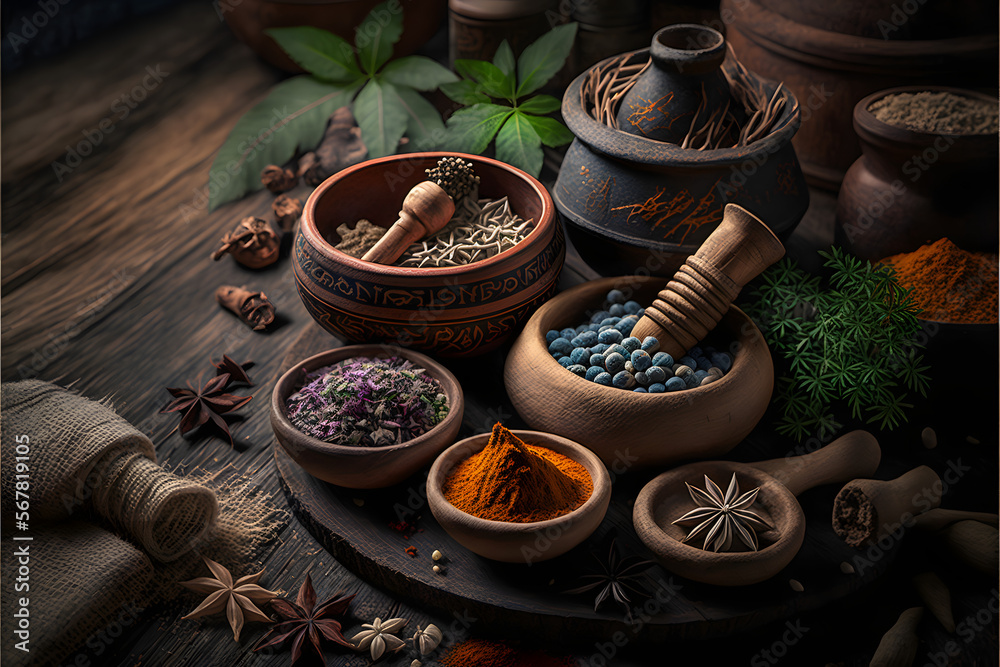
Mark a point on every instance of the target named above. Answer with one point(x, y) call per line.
point(107, 283)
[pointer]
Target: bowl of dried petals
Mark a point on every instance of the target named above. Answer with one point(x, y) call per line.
point(457, 290)
point(518, 496)
point(366, 416)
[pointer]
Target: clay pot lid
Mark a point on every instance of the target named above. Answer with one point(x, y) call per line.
point(666, 498)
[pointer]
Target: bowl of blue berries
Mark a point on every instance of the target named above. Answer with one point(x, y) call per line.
point(576, 371)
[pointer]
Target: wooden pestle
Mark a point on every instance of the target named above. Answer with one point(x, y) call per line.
point(426, 209)
point(866, 509)
point(700, 293)
point(854, 454)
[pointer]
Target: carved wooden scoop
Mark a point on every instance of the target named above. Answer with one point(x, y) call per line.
point(666, 498)
point(426, 209)
point(700, 293)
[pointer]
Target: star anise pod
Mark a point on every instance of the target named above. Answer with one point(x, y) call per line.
point(236, 598)
point(304, 619)
point(615, 579)
point(377, 637)
point(721, 517)
point(207, 402)
point(237, 372)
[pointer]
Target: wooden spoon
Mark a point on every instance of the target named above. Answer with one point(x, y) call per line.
point(666, 498)
point(700, 293)
point(426, 209)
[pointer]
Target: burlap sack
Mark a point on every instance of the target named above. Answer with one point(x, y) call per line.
point(80, 455)
point(80, 579)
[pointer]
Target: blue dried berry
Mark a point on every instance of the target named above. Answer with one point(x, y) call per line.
point(611, 320)
point(551, 335)
point(663, 359)
point(642, 379)
point(616, 348)
point(611, 335)
point(691, 381)
point(627, 324)
point(599, 348)
point(617, 310)
point(631, 344)
point(560, 345)
point(656, 374)
point(682, 371)
point(650, 344)
point(696, 351)
point(675, 384)
point(599, 315)
point(657, 388)
point(565, 362)
point(624, 380)
point(595, 327)
point(688, 361)
point(616, 296)
point(632, 307)
point(597, 360)
point(593, 372)
point(614, 362)
point(640, 359)
point(603, 378)
point(640, 312)
point(640, 390)
point(581, 328)
point(577, 369)
point(568, 333)
point(589, 338)
point(704, 364)
point(579, 355)
point(700, 375)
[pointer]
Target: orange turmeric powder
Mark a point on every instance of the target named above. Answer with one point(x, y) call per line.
point(949, 284)
point(516, 482)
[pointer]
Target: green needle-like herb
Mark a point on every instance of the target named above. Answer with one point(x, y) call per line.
point(851, 342)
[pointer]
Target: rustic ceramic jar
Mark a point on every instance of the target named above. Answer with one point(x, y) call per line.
point(829, 71)
point(451, 311)
point(630, 202)
point(911, 188)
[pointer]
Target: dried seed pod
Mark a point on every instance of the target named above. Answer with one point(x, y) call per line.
point(278, 179)
point(254, 308)
point(286, 211)
point(936, 597)
point(253, 244)
point(975, 544)
point(898, 647)
point(455, 176)
point(340, 147)
point(867, 509)
point(938, 519)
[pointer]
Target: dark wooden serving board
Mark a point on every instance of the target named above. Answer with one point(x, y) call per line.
point(530, 600)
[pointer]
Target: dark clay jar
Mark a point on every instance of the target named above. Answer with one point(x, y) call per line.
point(911, 188)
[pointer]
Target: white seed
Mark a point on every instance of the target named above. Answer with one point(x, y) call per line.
point(416, 663)
point(796, 586)
point(437, 555)
point(846, 568)
point(436, 569)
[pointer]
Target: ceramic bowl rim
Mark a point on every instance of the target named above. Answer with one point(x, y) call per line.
point(635, 149)
point(600, 492)
point(649, 500)
point(290, 380)
point(310, 231)
point(865, 121)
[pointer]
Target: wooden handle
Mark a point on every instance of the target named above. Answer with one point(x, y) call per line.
point(700, 293)
point(853, 455)
point(426, 209)
point(937, 519)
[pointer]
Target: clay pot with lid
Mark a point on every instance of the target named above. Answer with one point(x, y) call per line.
point(687, 61)
point(912, 188)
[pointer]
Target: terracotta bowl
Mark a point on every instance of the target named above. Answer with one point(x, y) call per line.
point(364, 467)
point(520, 542)
point(249, 18)
point(452, 311)
point(640, 429)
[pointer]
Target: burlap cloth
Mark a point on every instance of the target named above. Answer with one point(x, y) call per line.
point(87, 463)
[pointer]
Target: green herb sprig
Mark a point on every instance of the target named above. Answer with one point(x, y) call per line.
point(851, 340)
point(497, 94)
point(383, 97)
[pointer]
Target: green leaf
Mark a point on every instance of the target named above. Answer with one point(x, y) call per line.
point(493, 80)
point(377, 34)
point(319, 52)
point(471, 130)
point(423, 125)
point(504, 60)
point(519, 145)
point(465, 92)
point(540, 104)
point(291, 118)
point(550, 131)
point(542, 59)
point(381, 117)
point(417, 72)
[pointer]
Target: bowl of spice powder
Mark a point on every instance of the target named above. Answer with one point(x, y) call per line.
point(518, 496)
point(366, 416)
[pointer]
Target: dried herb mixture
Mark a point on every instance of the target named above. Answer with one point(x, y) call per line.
point(368, 402)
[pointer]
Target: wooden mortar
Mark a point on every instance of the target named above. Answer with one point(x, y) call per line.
point(867, 509)
point(426, 209)
point(700, 293)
